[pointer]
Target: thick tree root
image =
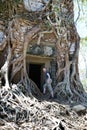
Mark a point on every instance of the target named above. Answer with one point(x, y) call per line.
point(13, 105)
point(76, 96)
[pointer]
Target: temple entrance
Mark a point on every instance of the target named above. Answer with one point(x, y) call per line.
point(35, 74)
point(34, 68)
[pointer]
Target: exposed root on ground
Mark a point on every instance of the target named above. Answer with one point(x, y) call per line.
point(76, 96)
point(17, 110)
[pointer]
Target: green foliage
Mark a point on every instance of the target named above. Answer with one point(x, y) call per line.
point(55, 8)
point(47, 25)
point(84, 41)
point(84, 1)
point(17, 1)
point(84, 82)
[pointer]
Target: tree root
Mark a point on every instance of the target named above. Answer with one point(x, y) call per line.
point(14, 105)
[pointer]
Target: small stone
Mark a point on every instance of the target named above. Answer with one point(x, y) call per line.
point(67, 107)
point(85, 117)
point(2, 122)
point(80, 109)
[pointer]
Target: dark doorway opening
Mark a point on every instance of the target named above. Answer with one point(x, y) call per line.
point(35, 73)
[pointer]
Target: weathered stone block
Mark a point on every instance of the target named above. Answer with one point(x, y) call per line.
point(80, 109)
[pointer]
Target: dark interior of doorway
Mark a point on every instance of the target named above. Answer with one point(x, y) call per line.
point(35, 74)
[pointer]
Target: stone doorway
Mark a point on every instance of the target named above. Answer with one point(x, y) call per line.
point(35, 74)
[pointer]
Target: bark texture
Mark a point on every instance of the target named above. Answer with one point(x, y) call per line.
point(20, 31)
point(67, 45)
point(17, 29)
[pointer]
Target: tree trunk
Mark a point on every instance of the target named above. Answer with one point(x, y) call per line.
point(67, 53)
point(19, 36)
point(20, 32)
